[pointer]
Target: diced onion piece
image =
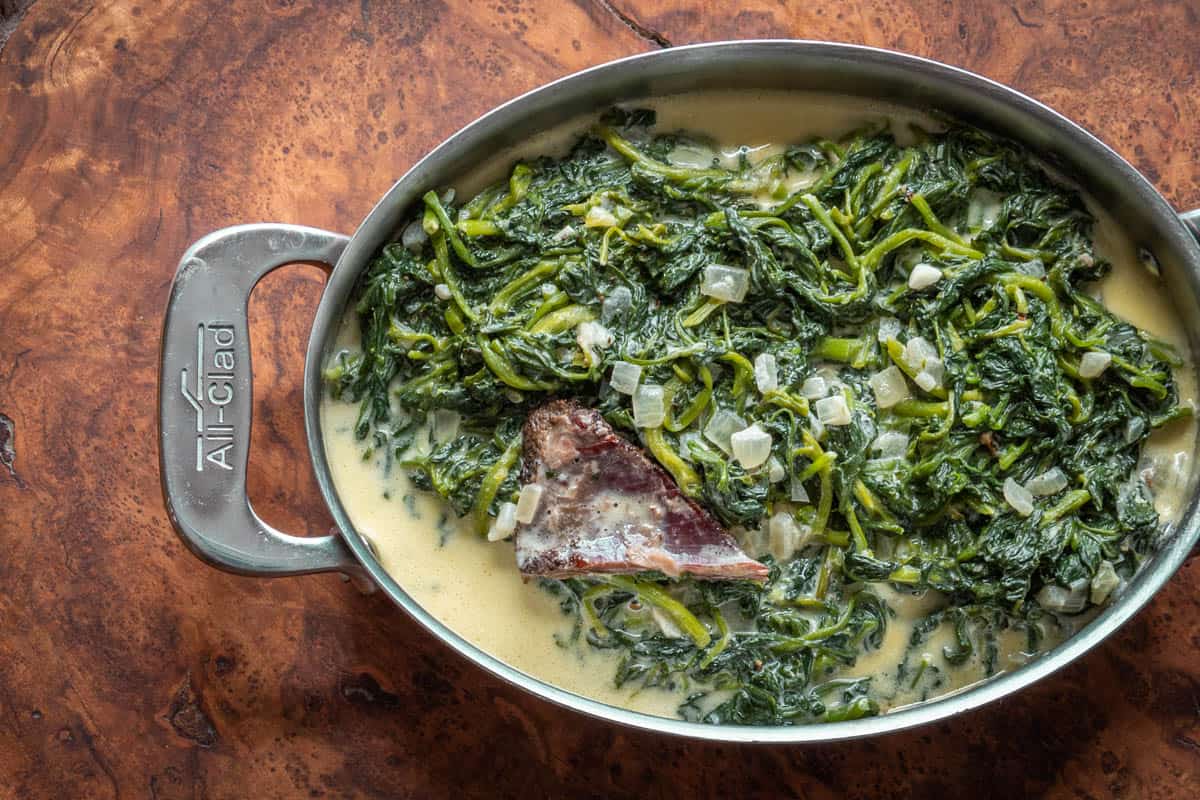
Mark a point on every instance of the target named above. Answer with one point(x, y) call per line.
point(1134, 429)
point(1064, 600)
point(565, 233)
point(625, 377)
point(548, 289)
point(889, 328)
point(1093, 363)
point(775, 470)
point(766, 373)
point(890, 444)
point(884, 546)
point(728, 284)
point(442, 291)
point(448, 196)
point(1051, 481)
point(931, 375)
point(665, 623)
point(917, 351)
point(889, 386)
point(504, 524)
point(983, 209)
point(691, 155)
point(751, 447)
point(527, 503)
point(414, 235)
point(619, 301)
point(923, 276)
point(445, 425)
point(1020, 498)
point(599, 217)
point(648, 408)
point(721, 427)
point(751, 541)
point(814, 388)
point(592, 336)
point(935, 368)
point(798, 494)
point(817, 427)
point(786, 536)
point(1104, 582)
point(833, 411)
point(687, 439)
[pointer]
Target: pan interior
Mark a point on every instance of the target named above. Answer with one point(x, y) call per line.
point(756, 67)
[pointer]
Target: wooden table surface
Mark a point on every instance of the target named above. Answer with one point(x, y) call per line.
point(128, 669)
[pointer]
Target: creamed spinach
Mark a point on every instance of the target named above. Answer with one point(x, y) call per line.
point(948, 408)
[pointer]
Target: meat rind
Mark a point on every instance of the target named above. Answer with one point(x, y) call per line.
point(607, 508)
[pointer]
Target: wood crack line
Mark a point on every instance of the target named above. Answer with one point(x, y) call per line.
point(649, 34)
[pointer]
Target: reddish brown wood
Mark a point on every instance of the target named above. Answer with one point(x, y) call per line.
point(128, 669)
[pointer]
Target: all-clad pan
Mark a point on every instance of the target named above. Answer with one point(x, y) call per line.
point(205, 379)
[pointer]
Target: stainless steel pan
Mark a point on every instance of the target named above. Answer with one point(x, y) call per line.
point(205, 379)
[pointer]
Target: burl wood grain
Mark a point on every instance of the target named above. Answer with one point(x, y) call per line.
point(128, 669)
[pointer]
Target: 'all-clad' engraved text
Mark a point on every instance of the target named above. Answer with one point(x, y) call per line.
point(209, 392)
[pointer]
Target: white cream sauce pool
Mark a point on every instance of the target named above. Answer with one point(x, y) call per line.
point(473, 586)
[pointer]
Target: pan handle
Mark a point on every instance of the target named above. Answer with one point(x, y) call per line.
point(1192, 220)
point(204, 400)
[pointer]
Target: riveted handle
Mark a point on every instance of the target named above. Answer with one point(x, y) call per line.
point(204, 396)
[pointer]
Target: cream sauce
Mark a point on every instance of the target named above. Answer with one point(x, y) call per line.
point(472, 585)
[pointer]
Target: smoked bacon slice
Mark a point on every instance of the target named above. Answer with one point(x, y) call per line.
point(607, 508)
